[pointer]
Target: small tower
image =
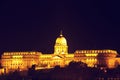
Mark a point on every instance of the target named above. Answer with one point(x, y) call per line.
point(61, 45)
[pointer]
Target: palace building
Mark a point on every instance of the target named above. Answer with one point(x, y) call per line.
point(23, 60)
point(11, 61)
point(94, 58)
point(19, 60)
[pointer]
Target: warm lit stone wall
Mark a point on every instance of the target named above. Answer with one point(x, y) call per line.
point(51, 60)
point(19, 60)
point(23, 60)
point(94, 58)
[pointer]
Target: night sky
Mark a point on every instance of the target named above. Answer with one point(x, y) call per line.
point(34, 25)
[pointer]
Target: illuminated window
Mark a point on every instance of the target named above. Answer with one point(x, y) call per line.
point(91, 54)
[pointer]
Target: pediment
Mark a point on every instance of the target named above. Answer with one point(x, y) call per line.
point(57, 57)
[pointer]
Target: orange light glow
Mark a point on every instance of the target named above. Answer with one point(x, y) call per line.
point(91, 54)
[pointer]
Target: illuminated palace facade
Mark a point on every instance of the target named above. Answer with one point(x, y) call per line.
point(98, 58)
point(11, 61)
point(24, 60)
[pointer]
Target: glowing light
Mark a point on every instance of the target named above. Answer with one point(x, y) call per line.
point(91, 54)
point(17, 56)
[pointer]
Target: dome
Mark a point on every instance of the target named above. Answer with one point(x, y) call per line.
point(61, 40)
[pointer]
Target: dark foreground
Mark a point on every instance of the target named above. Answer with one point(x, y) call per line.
point(75, 71)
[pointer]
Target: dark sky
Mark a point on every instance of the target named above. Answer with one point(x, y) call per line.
point(34, 25)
